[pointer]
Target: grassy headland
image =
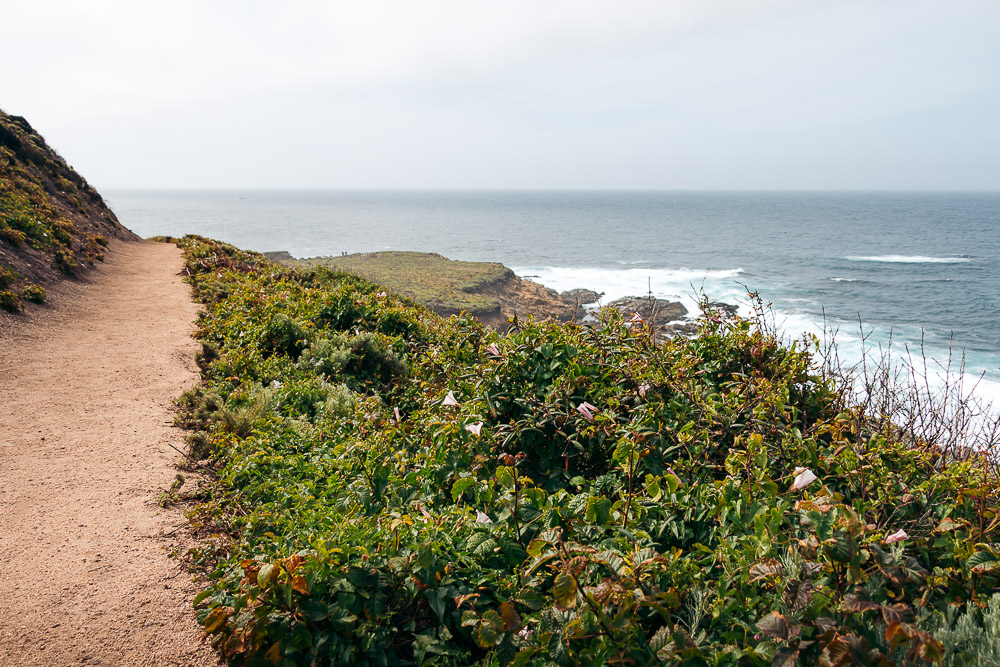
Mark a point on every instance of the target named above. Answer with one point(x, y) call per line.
point(488, 291)
point(397, 488)
point(444, 285)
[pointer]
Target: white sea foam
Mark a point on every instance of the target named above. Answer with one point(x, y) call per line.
point(681, 285)
point(909, 259)
point(852, 346)
point(725, 285)
point(845, 280)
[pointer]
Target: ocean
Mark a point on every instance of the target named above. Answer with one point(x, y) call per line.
point(920, 268)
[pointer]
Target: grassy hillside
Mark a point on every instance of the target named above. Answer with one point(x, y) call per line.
point(395, 488)
point(52, 223)
point(443, 284)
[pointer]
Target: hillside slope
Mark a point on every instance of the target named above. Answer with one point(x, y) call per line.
point(53, 224)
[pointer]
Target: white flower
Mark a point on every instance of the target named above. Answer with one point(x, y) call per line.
point(493, 349)
point(586, 409)
point(275, 384)
point(381, 294)
point(803, 478)
point(482, 518)
point(643, 388)
point(399, 418)
point(636, 319)
point(474, 429)
point(898, 536)
point(449, 399)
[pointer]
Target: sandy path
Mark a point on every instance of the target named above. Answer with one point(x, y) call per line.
point(85, 411)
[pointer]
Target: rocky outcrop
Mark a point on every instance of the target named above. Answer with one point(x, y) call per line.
point(655, 311)
point(522, 298)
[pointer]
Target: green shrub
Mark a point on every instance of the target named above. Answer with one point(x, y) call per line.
point(285, 336)
point(7, 277)
point(971, 637)
point(65, 260)
point(33, 293)
point(364, 358)
point(12, 236)
point(10, 302)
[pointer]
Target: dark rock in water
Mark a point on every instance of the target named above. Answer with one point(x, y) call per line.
point(654, 311)
point(577, 299)
point(660, 314)
point(727, 308)
point(580, 296)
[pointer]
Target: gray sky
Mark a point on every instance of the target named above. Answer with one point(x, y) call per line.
point(668, 94)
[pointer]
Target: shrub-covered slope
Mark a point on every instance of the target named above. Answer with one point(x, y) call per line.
point(52, 223)
point(394, 488)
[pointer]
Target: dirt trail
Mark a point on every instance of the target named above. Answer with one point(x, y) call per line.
point(85, 412)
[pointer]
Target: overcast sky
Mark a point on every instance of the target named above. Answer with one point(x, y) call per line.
point(662, 94)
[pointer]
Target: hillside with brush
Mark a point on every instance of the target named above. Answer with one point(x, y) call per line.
point(53, 224)
point(396, 488)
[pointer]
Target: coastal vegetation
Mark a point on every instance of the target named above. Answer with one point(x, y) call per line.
point(391, 487)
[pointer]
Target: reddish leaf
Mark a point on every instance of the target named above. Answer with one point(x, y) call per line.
point(299, 584)
point(215, 619)
point(774, 625)
point(511, 619)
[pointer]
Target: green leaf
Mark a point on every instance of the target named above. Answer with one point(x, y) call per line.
point(202, 596)
point(537, 546)
point(459, 487)
point(982, 561)
point(506, 650)
point(530, 598)
point(505, 477)
point(267, 574)
point(485, 635)
point(599, 510)
point(564, 591)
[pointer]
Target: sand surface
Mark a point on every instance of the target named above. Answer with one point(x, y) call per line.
point(86, 385)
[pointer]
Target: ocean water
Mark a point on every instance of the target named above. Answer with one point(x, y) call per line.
point(923, 269)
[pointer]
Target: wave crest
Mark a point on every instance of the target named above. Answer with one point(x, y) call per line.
point(909, 259)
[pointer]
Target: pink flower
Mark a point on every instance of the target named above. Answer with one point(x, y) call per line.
point(898, 536)
point(643, 388)
point(636, 319)
point(398, 417)
point(803, 478)
point(482, 518)
point(585, 409)
point(474, 429)
point(671, 471)
point(449, 399)
point(493, 349)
